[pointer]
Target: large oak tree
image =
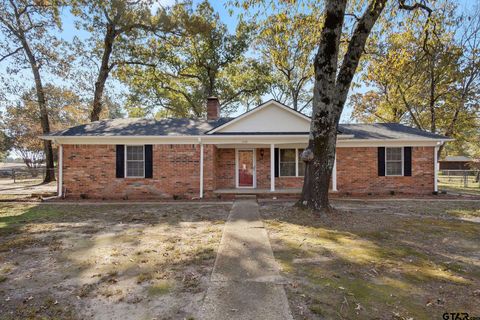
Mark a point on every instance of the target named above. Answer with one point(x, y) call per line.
point(28, 41)
point(20, 120)
point(287, 42)
point(118, 23)
point(203, 59)
point(428, 76)
point(333, 78)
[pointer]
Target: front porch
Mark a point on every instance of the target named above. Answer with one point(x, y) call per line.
point(253, 169)
point(245, 191)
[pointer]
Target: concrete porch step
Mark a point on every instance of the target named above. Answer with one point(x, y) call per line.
point(255, 191)
point(246, 197)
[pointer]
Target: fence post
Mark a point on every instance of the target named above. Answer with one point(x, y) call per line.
point(13, 175)
point(465, 179)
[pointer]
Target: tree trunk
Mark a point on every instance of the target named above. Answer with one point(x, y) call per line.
point(433, 118)
point(318, 172)
point(105, 68)
point(329, 95)
point(44, 121)
point(295, 99)
point(323, 127)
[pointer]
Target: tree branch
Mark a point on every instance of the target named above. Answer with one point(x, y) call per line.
point(11, 54)
point(356, 48)
point(417, 5)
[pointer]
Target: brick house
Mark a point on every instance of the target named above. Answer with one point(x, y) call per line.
point(256, 152)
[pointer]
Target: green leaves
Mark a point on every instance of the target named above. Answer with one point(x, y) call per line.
point(425, 75)
point(287, 41)
point(201, 59)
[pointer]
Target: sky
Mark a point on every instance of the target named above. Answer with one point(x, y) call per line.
point(69, 31)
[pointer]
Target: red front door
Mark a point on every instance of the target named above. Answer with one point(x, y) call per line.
point(246, 168)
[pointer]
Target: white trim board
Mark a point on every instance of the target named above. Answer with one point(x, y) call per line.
point(126, 160)
point(247, 140)
point(402, 162)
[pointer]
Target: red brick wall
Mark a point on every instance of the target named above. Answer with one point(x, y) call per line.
point(357, 172)
point(225, 162)
point(225, 168)
point(263, 168)
point(89, 171)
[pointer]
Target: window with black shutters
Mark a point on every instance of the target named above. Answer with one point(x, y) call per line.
point(394, 161)
point(134, 162)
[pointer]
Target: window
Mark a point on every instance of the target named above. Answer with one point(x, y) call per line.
point(394, 161)
point(135, 161)
point(287, 163)
point(291, 164)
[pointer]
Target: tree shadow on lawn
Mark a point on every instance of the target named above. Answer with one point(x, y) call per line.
point(106, 261)
point(363, 266)
point(16, 215)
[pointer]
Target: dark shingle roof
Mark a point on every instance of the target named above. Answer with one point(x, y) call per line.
point(386, 131)
point(143, 127)
point(457, 159)
point(194, 127)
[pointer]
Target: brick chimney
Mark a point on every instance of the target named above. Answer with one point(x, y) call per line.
point(213, 108)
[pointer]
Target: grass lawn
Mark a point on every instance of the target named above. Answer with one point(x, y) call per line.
point(373, 260)
point(379, 259)
point(128, 261)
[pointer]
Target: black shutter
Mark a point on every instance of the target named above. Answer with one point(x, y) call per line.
point(277, 163)
point(120, 162)
point(381, 161)
point(407, 161)
point(148, 161)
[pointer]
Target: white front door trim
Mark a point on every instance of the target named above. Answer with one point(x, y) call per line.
point(254, 185)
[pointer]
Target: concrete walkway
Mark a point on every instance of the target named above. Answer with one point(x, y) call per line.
point(245, 282)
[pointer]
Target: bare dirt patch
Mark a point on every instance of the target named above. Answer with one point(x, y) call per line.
point(379, 259)
point(10, 190)
point(98, 261)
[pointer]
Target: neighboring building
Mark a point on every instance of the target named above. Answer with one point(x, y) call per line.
point(256, 152)
point(456, 163)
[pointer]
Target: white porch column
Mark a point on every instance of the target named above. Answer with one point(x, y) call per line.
point(201, 169)
point(435, 170)
point(334, 174)
point(272, 167)
point(60, 170)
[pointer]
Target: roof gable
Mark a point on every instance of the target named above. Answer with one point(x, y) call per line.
point(271, 117)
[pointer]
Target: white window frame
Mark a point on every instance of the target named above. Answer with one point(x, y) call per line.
point(297, 159)
point(402, 162)
point(126, 160)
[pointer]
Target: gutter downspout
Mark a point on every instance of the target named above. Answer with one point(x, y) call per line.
point(436, 167)
point(201, 167)
point(60, 171)
point(334, 174)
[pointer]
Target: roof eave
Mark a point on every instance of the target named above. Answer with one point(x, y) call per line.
point(343, 137)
